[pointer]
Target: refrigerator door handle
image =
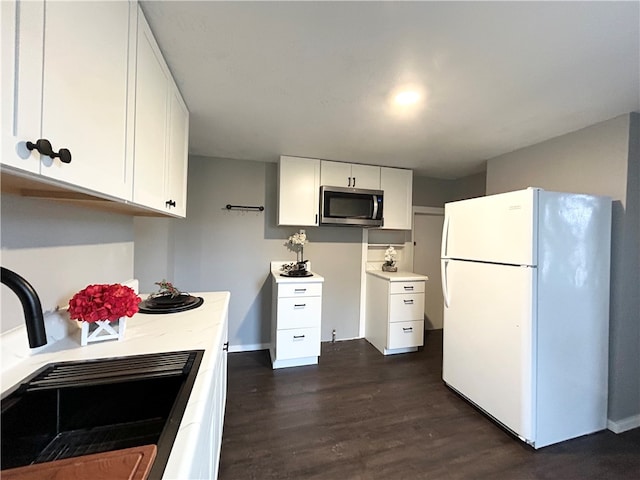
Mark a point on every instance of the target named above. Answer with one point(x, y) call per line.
point(445, 236)
point(445, 286)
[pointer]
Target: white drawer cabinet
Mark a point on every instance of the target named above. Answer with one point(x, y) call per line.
point(299, 312)
point(395, 311)
point(298, 343)
point(295, 320)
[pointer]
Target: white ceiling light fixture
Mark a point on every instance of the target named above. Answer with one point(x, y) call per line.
point(407, 97)
point(406, 102)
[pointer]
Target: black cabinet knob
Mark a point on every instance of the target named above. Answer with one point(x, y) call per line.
point(170, 203)
point(43, 146)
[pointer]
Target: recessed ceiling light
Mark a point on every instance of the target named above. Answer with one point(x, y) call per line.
point(407, 97)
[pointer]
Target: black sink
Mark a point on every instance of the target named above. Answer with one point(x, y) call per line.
point(77, 408)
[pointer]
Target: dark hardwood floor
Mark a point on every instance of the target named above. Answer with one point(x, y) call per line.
point(360, 415)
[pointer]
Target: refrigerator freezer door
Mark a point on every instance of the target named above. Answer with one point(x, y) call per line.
point(497, 228)
point(488, 342)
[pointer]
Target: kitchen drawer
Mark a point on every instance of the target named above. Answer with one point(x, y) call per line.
point(406, 307)
point(299, 290)
point(406, 334)
point(406, 287)
point(297, 343)
point(299, 312)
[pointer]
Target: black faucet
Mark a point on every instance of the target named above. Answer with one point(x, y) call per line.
point(31, 306)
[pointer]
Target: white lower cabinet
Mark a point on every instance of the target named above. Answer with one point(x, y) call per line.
point(206, 458)
point(395, 311)
point(295, 320)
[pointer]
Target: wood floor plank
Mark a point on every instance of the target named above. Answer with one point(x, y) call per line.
point(361, 415)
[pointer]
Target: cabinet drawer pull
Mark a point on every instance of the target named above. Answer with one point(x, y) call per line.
point(170, 203)
point(408, 302)
point(299, 290)
point(299, 305)
point(407, 329)
point(408, 288)
point(298, 337)
point(225, 347)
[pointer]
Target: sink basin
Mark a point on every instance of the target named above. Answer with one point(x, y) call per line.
point(77, 408)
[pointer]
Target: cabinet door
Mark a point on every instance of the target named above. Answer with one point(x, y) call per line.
point(84, 97)
point(21, 60)
point(298, 191)
point(365, 176)
point(335, 174)
point(176, 182)
point(152, 97)
point(397, 185)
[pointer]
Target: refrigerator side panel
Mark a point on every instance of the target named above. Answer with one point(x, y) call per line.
point(497, 228)
point(487, 341)
point(573, 316)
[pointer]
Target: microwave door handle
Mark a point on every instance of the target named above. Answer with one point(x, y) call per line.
point(375, 206)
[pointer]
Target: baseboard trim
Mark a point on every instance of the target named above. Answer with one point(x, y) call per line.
point(624, 425)
point(265, 346)
point(248, 348)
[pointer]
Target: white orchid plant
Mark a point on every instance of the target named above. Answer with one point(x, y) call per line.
point(299, 238)
point(296, 243)
point(390, 255)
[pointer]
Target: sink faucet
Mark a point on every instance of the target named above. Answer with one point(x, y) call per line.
point(31, 306)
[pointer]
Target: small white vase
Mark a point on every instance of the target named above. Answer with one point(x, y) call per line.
point(102, 330)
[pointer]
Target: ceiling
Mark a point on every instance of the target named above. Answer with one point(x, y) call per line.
point(314, 79)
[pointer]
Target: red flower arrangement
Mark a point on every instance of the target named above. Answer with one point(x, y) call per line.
point(103, 302)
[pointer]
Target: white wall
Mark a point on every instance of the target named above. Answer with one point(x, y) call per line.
point(434, 192)
point(603, 159)
point(60, 249)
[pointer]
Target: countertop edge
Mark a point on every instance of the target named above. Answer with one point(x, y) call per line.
point(399, 276)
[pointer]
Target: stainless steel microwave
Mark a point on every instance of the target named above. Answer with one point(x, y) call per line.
point(351, 206)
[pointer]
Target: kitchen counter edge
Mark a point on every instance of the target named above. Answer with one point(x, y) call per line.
point(398, 276)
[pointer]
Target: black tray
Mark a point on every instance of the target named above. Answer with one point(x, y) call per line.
point(168, 304)
point(297, 273)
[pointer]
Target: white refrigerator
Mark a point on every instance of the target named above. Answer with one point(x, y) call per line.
point(525, 280)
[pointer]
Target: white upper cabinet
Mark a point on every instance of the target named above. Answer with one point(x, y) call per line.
point(88, 77)
point(298, 191)
point(152, 114)
point(339, 174)
point(85, 93)
point(67, 82)
point(397, 185)
point(161, 131)
point(21, 107)
point(177, 161)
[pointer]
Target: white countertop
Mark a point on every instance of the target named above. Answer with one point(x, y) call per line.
point(276, 272)
point(398, 276)
point(203, 328)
